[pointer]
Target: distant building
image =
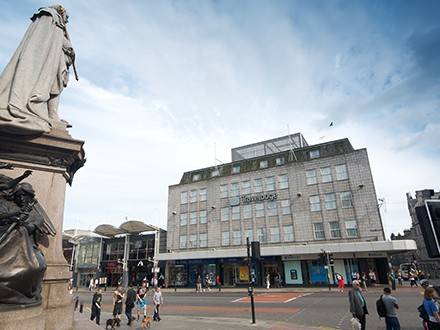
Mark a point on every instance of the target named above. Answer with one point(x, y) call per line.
point(420, 256)
point(294, 199)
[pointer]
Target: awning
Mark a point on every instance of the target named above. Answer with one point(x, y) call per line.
point(128, 227)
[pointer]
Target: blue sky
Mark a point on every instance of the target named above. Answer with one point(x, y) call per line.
point(162, 81)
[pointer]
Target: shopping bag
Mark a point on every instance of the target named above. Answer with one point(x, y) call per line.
point(355, 324)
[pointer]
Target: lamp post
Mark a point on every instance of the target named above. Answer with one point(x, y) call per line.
point(251, 282)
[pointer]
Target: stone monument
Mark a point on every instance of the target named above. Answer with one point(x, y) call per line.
point(37, 158)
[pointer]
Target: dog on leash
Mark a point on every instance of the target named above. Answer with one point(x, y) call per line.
point(110, 324)
point(146, 322)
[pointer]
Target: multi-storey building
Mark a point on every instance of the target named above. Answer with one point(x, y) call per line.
point(295, 199)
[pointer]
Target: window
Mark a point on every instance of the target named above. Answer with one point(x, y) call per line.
point(274, 234)
point(193, 196)
point(352, 229)
point(247, 211)
point(262, 235)
point(263, 163)
point(183, 219)
point(272, 208)
point(245, 187)
point(314, 154)
point(203, 240)
point(193, 218)
point(202, 194)
point(235, 189)
point(288, 233)
point(192, 243)
point(280, 161)
point(315, 204)
point(235, 212)
point(346, 199)
point(326, 174)
point(182, 244)
point(203, 217)
point(183, 197)
point(196, 177)
point(235, 169)
point(285, 207)
point(224, 214)
point(249, 233)
point(318, 230)
point(225, 238)
point(236, 237)
point(335, 230)
point(341, 172)
point(311, 177)
point(259, 210)
point(224, 191)
point(270, 183)
point(258, 185)
point(330, 201)
point(215, 173)
point(283, 181)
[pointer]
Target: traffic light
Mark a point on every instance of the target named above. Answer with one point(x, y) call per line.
point(331, 261)
point(428, 216)
point(255, 248)
point(323, 258)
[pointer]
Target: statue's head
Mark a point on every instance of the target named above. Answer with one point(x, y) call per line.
point(62, 11)
point(24, 194)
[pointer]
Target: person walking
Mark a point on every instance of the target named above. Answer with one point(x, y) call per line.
point(364, 282)
point(118, 295)
point(267, 281)
point(141, 302)
point(96, 306)
point(129, 304)
point(358, 304)
point(341, 283)
point(412, 278)
point(198, 283)
point(432, 309)
point(91, 283)
point(390, 302)
point(157, 301)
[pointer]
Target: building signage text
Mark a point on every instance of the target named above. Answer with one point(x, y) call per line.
point(258, 198)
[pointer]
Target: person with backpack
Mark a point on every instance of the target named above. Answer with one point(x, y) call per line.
point(386, 307)
point(431, 308)
point(358, 304)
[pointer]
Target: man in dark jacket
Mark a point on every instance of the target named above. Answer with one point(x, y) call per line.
point(129, 304)
point(96, 306)
point(358, 303)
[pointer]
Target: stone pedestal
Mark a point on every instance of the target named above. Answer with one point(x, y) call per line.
point(53, 158)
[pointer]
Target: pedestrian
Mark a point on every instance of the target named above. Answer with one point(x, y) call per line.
point(354, 276)
point(96, 284)
point(157, 301)
point(372, 275)
point(91, 283)
point(96, 306)
point(341, 283)
point(267, 281)
point(358, 304)
point(208, 282)
point(218, 282)
point(118, 295)
point(399, 277)
point(390, 302)
point(412, 278)
point(141, 300)
point(392, 279)
point(364, 282)
point(129, 304)
point(432, 309)
point(198, 283)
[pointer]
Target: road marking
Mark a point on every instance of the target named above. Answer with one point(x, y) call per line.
point(294, 298)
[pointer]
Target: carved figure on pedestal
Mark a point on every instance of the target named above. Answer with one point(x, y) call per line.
point(33, 80)
point(23, 225)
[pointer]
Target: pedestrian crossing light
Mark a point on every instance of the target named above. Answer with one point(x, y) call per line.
point(331, 260)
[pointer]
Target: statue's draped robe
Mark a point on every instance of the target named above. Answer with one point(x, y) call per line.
point(36, 74)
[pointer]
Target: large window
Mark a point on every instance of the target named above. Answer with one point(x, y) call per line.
point(351, 227)
point(283, 181)
point(247, 211)
point(341, 172)
point(193, 196)
point(346, 199)
point(192, 243)
point(285, 207)
point(249, 233)
point(89, 252)
point(202, 194)
point(224, 214)
point(274, 234)
point(335, 230)
point(193, 218)
point(311, 177)
point(263, 163)
point(224, 191)
point(235, 212)
point(315, 204)
point(235, 189)
point(203, 240)
point(259, 210)
point(245, 187)
point(258, 185)
point(182, 242)
point(203, 217)
point(270, 183)
point(235, 169)
point(288, 233)
point(330, 201)
point(225, 238)
point(236, 237)
point(272, 208)
point(326, 174)
point(318, 230)
point(183, 219)
point(262, 235)
point(183, 197)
